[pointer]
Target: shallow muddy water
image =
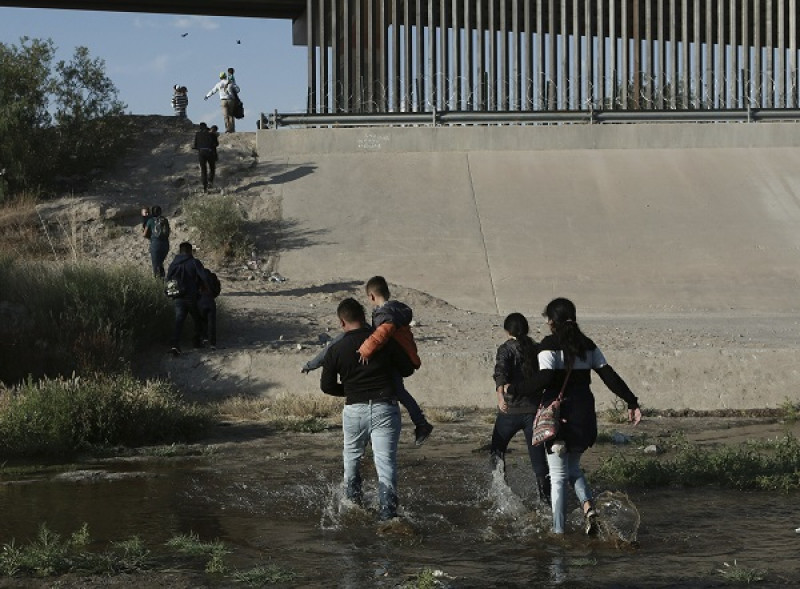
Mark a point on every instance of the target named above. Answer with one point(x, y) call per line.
point(273, 497)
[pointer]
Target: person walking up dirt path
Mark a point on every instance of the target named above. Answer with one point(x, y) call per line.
point(206, 142)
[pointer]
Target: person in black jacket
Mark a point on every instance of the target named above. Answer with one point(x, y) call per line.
point(190, 274)
point(568, 355)
point(206, 143)
point(371, 412)
point(516, 360)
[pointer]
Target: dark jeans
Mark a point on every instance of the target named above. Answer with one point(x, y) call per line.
point(208, 315)
point(208, 166)
point(407, 401)
point(183, 307)
point(159, 248)
point(506, 425)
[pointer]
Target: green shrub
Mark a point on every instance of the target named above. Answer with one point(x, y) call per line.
point(219, 220)
point(759, 465)
point(77, 317)
point(56, 417)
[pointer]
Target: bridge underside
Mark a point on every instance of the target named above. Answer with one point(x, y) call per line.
point(525, 55)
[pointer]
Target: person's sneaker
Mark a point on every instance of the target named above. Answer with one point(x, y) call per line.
point(590, 522)
point(421, 433)
point(175, 351)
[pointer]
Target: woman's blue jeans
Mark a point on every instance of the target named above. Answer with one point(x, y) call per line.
point(379, 424)
point(565, 469)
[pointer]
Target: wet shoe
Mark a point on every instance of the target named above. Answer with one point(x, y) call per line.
point(421, 433)
point(590, 523)
point(175, 351)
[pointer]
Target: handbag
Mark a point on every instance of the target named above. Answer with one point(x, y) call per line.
point(548, 419)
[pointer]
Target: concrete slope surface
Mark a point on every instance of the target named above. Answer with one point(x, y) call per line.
point(664, 229)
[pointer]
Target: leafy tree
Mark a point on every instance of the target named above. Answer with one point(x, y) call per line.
point(24, 87)
point(60, 119)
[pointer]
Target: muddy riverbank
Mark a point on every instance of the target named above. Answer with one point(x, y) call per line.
point(272, 497)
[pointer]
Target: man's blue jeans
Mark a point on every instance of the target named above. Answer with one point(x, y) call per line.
point(378, 423)
point(566, 469)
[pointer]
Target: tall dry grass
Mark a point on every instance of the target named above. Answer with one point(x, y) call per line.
point(58, 318)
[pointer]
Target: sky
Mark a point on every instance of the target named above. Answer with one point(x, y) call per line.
point(147, 54)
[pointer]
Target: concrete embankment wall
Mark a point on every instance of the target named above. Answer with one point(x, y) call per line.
point(624, 219)
point(634, 220)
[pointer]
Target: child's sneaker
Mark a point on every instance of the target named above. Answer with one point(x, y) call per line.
point(421, 433)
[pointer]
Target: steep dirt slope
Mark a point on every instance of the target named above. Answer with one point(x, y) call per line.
point(271, 324)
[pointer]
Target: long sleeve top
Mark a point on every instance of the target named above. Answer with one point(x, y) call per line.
point(343, 375)
point(227, 90)
point(579, 428)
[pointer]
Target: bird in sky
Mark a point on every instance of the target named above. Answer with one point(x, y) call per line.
point(185, 35)
point(238, 42)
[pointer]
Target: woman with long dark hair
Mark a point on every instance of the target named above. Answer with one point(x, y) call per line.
point(516, 361)
point(568, 354)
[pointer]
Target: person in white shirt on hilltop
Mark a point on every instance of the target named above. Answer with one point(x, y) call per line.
point(227, 93)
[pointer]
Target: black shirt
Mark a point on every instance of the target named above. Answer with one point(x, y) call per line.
point(343, 375)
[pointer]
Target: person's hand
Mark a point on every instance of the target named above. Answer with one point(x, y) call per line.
point(205, 98)
point(502, 405)
point(362, 359)
point(635, 416)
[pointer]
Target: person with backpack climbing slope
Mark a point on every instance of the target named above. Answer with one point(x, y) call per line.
point(185, 277)
point(155, 227)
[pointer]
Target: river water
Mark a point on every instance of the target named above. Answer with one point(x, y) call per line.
point(273, 497)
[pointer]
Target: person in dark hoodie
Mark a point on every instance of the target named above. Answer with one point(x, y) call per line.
point(206, 142)
point(370, 413)
point(391, 320)
point(516, 360)
point(191, 276)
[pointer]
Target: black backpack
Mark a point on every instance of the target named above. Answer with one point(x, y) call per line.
point(213, 283)
point(175, 288)
point(160, 228)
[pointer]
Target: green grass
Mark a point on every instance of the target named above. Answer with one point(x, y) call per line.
point(215, 552)
point(767, 465)
point(270, 574)
point(77, 317)
point(735, 574)
point(48, 554)
point(58, 417)
point(51, 555)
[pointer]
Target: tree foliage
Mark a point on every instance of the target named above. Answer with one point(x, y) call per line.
point(56, 119)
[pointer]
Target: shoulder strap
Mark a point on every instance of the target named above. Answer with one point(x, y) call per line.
point(564, 385)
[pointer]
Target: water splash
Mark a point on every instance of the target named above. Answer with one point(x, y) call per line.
point(618, 518)
point(509, 509)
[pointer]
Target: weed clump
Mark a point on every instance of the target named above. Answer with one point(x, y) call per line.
point(58, 417)
point(220, 222)
point(771, 465)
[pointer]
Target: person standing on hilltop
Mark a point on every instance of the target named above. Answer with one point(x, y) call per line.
point(180, 101)
point(206, 142)
point(228, 92)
